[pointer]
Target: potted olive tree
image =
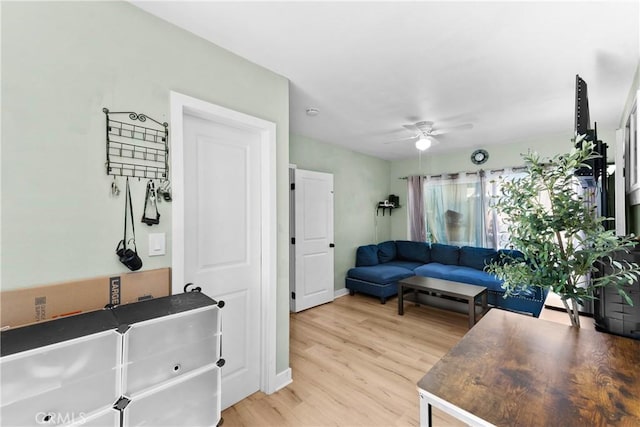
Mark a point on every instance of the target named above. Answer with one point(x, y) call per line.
point(564, 243)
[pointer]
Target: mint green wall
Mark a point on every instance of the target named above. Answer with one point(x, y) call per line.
point(61, 63)
point(359, 183)
point(460, 160)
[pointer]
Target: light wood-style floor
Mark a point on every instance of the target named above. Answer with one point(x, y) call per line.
point(355, 362)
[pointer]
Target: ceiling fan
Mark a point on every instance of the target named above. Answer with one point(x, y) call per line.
point(424, 133)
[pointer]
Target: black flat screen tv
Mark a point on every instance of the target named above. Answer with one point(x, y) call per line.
point(595, 174)
point(582, 120)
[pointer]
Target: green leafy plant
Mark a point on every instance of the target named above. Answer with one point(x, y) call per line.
point(565, 244)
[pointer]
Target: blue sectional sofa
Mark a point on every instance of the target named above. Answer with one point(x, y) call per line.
point(379, 267)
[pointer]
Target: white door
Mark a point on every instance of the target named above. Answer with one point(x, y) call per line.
point(313, 239)
point(222, 247)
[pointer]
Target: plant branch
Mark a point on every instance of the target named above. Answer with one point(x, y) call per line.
point(569, 312)
point(576, 312)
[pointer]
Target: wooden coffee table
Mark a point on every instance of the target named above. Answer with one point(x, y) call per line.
point(440, 287)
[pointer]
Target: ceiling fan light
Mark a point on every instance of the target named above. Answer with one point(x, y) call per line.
point(423, 143)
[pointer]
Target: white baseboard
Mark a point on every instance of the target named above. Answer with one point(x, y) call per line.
point(340, 293)
point(283, 379)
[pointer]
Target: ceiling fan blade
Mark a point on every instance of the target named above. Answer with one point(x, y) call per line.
point(410, 139)
point(466, 126)
point(412, 128)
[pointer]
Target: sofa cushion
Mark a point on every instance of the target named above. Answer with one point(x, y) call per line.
point(386, 251)
point(433, 269)
point(380, 273)
point(367, 256)
point(409, 265)
point(472, 276)
point(445, 254)
point(413, 251)
point(467, 275)
point(477, 258)
point(506, 255)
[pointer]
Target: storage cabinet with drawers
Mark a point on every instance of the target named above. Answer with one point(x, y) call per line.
point(610, 312)
point(155, 362)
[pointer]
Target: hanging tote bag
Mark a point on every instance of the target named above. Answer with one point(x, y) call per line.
point(129, 257)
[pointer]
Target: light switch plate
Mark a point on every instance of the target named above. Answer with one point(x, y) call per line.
point(157, 244)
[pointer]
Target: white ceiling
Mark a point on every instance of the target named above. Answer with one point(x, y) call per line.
point(369, 67)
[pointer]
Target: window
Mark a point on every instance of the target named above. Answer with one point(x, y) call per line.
point(458, 209)
point(454, 210)
point(496, 230)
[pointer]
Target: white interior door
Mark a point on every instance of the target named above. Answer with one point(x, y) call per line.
point(222, 240)
point(313, 239)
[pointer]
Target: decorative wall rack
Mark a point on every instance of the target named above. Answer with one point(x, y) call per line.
point(135, 150)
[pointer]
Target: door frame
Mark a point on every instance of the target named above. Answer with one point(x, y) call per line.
point(183, 104)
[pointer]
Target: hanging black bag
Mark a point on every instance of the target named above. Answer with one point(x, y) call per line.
point(151, 197)
point(129, 257)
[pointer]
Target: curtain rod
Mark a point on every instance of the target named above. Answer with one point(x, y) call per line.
point(480, 171)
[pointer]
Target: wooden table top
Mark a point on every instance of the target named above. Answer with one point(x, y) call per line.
point(446, 286)
point(512, 369)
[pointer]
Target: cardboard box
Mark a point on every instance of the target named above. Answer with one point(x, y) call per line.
point(21, 307)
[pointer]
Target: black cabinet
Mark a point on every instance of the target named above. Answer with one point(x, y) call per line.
point(611, 313)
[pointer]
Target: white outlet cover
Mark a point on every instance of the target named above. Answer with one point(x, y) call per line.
point(157, 244)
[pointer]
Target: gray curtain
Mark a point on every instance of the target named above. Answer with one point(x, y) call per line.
point(415, 207)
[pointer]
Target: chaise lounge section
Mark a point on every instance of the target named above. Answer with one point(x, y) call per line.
point(379, 268)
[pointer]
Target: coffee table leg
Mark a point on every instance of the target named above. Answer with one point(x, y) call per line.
point(484, 302)
point(472, 312)
point(400, 300)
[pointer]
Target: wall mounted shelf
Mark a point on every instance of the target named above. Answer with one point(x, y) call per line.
point(384, 207)
point(135, 150)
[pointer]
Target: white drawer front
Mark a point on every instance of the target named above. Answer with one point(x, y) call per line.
point(166, 348)
point(64, 381)
point(107, 418)
point(190, 401)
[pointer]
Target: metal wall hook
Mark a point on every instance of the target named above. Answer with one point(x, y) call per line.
point(165, 185)
point(115, 191)
point(164, 190)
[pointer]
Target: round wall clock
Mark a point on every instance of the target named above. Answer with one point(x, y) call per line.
point(480, 156)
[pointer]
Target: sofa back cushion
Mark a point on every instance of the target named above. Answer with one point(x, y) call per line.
point(445, 254)
point(477, 258)
point(386, 251)
point(507, 255)
point(413, 251)
point(367, 256)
